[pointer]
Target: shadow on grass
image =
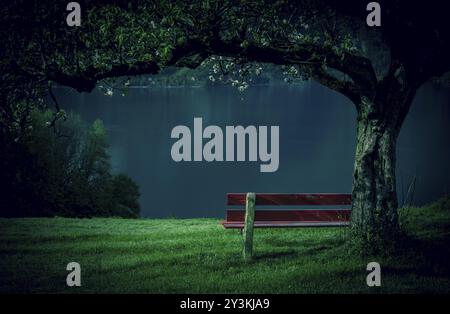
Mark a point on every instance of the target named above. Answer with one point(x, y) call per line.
point(306, 245)
point(303, 251)
point(277, 242)
point(436, 257)
point(274, 255)
point(421, 256)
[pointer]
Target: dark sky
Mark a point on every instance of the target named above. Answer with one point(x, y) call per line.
point(317, 142)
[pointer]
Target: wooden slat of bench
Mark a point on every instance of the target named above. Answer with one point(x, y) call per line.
point(291, 199)
point(323, 215)
point(284, 224)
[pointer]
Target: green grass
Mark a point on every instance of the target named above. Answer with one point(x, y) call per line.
point(199, 256)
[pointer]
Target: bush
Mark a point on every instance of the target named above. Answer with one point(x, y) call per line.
point(66, 171)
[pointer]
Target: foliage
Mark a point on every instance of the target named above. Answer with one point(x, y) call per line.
point(125, 195)
point(68, 172)
point(235, 41)
point(316, 39)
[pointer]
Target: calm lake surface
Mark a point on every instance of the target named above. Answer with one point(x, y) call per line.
point(317, 142)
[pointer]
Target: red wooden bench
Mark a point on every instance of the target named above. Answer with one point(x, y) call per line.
point(335, 217)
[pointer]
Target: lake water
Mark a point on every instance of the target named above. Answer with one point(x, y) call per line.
point(317, 142)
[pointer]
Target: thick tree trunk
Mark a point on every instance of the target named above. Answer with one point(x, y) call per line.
point(374, 191)
point(374, 203)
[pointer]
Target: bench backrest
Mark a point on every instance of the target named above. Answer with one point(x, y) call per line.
point(274, 199)
point(291, 199)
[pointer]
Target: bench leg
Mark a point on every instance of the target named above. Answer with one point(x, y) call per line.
point(248, 226)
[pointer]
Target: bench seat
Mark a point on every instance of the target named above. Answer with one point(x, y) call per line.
point(282, 218)
point(285, 224)
point(290, 218)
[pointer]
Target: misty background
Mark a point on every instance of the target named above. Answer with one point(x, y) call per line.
point(317, 142)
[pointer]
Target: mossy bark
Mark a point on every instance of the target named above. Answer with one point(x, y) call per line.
point(374, 186)
point(374, 197)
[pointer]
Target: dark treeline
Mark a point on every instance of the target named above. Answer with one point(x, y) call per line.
point(62, 168)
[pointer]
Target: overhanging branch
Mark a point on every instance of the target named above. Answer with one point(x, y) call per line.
point(346, 88)
point(87, 80)
point(358, 68)
point(189, 55)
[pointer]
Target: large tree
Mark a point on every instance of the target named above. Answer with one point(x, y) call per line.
point(379, 69)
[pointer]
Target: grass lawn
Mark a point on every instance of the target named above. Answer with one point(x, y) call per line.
point(199, 256)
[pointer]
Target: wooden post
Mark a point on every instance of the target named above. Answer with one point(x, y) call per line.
point(248, 227)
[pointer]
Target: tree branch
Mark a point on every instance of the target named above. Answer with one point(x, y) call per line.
point(188, 55)
point(346, 88)
point(358, 68)
point(87, 80)
point(193, 53)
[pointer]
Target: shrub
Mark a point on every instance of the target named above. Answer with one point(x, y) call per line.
point(67, 172)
